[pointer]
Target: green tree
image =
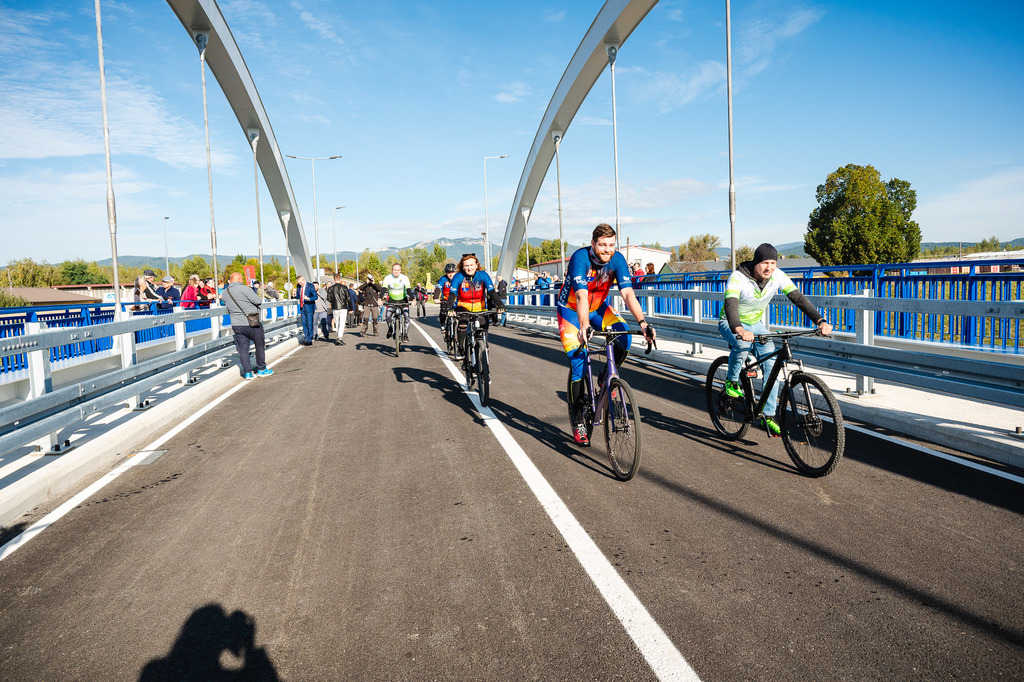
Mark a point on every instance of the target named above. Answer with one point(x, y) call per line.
point(9, 300)
point(860, 219)
point(75, 272)
point(700, 247)
point(196, 265)
point(744, 253)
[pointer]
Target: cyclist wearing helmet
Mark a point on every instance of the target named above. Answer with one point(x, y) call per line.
point(442, 290)
point(748, 293)
point(471, 291)
point(581, 303)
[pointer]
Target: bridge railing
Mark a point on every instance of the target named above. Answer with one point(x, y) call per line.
point(42, 395)
point(855, 349)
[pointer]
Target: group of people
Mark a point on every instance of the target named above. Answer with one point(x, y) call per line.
point(198, 293)
point(581, 303)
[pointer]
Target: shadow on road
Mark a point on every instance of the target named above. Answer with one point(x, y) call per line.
point(213, 645)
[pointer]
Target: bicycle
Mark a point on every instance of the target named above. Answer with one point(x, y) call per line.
point(400, 331)
point(809, 416)
point(616, 406)
point(475, 359)
point(451, 338)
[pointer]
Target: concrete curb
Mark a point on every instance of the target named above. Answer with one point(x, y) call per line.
point(107, 449)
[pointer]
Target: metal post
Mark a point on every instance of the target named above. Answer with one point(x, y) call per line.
point(286, 217)
point(613, 50)
point(111, 208)
point(728, 80)
point(316, 227)
point(487, 230)
point(254, 138)
point(557, 135)
point(167, 257)
point(865, 328)
point(335, 237)
point(202, 37)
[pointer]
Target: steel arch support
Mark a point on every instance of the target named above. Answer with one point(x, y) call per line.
point(613, 24)
point(228, 67)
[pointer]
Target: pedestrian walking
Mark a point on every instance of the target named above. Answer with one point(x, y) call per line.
point(243, 304)
point(305, 294)
point(322, 319)
point(338, 297)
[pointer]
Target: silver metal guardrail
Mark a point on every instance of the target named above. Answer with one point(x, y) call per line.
point(45, 411)
point(915, 363)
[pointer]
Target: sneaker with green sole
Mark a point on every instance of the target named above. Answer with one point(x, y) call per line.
point(733, 390)
point(771, 426)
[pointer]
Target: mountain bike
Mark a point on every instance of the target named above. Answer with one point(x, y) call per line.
point(475, 360)
point(451, 337)
point(399, 331)
point(808, 414)
point(614, 407)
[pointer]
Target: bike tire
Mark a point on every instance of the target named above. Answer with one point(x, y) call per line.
point(728, 415)
point(467, 363)
point(483, 374)
point(622, 432)
point(398, 338)
point(814, 443)
point(588, 417)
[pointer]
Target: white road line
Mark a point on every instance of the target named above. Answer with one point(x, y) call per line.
point(655, 646)
point(48, 520)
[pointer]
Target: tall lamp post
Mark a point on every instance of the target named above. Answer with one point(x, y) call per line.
point(316, 228)
point(254, 138)
point(167, 257)
point(487, 230)
point(111, 209)
point(335, 236)
point(202, 39)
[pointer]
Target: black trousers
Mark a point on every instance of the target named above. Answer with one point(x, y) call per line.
point(245, 335)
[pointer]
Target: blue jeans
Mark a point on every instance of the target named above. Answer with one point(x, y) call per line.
point(738, 349)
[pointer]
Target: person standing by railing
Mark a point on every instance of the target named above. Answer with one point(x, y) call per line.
point(305, 294)
point(143, 294)
point(168, 293)
point(190, 297)
point(242, 303)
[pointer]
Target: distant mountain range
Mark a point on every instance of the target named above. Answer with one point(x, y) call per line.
point(455, 247)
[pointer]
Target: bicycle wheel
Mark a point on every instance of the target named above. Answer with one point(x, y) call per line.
point(467, 360)
point(812, 425)
point(622, 430)
point(483, 374)
point(397, 326)
point(729, 415)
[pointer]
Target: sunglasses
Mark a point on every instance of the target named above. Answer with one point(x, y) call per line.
point(467, 255)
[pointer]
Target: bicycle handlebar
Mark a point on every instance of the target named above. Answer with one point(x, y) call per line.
point(761, 338)
point(611, 333)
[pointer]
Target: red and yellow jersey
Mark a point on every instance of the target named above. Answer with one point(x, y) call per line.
point(582, 272)
point(471, 293)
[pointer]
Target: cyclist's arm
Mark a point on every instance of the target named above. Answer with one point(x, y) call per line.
point(732, 316)
point(629, 297)
point(583, 313)
point(812, 313)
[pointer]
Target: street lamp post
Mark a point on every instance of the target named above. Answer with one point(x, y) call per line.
point(335, 237)
point(286, 217)
point(254, 138)
point(111, 209)
point(167, 257)
point(316, 228)
point(202, 39)
point(487, 230)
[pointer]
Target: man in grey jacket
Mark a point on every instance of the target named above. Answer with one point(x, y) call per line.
point(241, 301)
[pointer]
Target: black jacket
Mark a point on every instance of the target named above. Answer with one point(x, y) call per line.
point(338, 297)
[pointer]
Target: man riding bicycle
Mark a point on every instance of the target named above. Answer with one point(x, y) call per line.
point(399, 290)
point(471, 291)
point(442, 290)
point(581, 303)
point(748, 293)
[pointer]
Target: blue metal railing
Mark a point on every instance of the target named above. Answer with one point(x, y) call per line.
point(990, 280)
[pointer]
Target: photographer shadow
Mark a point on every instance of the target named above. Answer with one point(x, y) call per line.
point(213, 645)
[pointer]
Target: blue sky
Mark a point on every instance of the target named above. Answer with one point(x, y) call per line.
point(415, 94)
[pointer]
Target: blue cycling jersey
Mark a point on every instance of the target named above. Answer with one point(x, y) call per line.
point(585, 272)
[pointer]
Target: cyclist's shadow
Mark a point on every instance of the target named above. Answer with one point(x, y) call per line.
point(554, 438)
point(447, 386)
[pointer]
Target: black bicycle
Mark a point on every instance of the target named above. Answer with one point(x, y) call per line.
point(399, 331)
point(475, 360)
point(809, 416)
point(451, 337)
point(614, 407)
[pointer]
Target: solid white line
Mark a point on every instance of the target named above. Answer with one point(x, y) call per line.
point(661, 654)
point(48, 520)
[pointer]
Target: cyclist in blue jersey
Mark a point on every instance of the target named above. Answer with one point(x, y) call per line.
point(442, 290)
point(471, 291)
point(582, 304)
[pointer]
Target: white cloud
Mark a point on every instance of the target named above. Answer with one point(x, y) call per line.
point(975, 210)
point(513, 92)
point(673, 90)
point(554, 17)
point(53, 110)
point(759, 39)
point(317, 24)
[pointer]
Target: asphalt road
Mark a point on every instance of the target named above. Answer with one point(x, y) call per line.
point(355, 517)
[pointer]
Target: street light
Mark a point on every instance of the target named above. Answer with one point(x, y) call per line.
point(111, 208)
point(316, 228)
point(487, 230)
point(167, 258)
point(202, 38)
point(334, 232)
point(254, 138)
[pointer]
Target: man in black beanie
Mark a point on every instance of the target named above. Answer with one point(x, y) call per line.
point(748, 294)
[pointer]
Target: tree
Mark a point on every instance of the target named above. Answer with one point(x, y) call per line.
point(744, 253)
point(196, 265)
point(699, 248)
point(860, 219)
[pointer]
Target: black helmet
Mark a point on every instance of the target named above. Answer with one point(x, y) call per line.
point(450, 267)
